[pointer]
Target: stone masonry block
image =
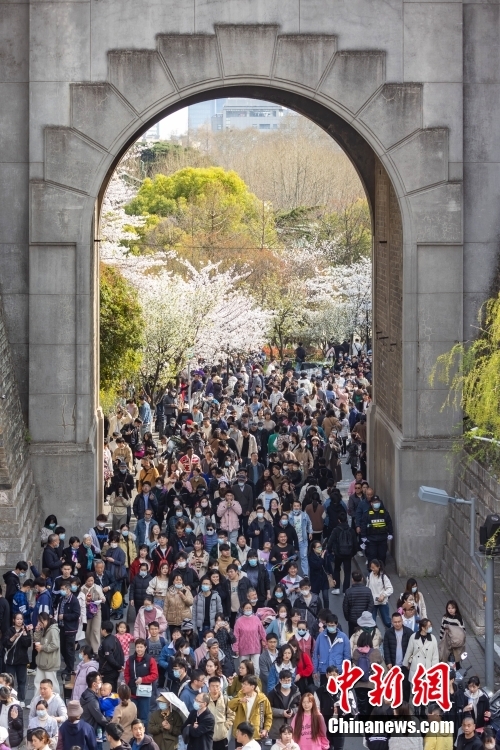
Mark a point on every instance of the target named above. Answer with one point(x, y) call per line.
point(395, 113)
point(99, 112)
point(140, 76)
point(437, 214)
point(246, 50)
point(303, 58)
point(56, 214)
point(354, 77)
point(191, 58)
point(70, 160)
point(422, 160)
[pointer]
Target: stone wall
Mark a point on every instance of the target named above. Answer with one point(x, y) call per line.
point(458, 571)
point(19, 508)
point(388, 297)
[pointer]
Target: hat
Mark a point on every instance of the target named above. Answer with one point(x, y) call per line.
point(189, 421)
point(187, 624)
point(366, 620)
point(314, 437)
point(4, 734)
point(74, 711)
point(211, 642)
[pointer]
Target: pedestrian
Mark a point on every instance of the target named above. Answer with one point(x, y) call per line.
point(141, 671)
point(343, 543)
point(75, 732)
point(250, 636)
point(309, 728)
point(357, 599)
point(223, 715)
point(165, 724)
point(91, 598)
point(376, 530)
point(332, 647)
point(198, 729)
point(381, 588)
point(89, 701)
point(47, 645)
point(452, 633)
point(87, 664)
point(253, 706)
point(422, 649)
point(284, 699)
point(68, 616)
point(364, 656)
point(111, 659)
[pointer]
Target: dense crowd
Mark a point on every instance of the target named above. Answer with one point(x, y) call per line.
point(200, 610)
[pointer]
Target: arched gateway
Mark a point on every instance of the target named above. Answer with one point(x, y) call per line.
point(89, 103)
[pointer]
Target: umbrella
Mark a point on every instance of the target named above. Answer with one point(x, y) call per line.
point(176, 703)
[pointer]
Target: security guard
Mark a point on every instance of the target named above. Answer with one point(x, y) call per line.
point(376, 531)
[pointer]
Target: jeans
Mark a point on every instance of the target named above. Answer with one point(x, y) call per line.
point(233, 536)
point(142, 709)
point(304, 563)
point(385, 614)
point(19, 671)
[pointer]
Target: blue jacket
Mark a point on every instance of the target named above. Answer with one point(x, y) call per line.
point(140, 531)
point(327, 654)
point(188, 695)
point(166, 654)
point(306, 525)
point(363, 507)
point(42, 604)
point(145, 413)
point(20, 604)
point(274, 677)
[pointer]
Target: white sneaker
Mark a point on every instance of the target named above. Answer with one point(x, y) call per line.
point(31, 671)
point(335, 591)
point(22, 704)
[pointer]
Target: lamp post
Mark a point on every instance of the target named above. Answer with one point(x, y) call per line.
point(440, 497)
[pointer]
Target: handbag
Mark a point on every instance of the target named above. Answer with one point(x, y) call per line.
point(144, 691)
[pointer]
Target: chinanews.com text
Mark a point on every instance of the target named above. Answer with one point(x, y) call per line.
point(395, 727)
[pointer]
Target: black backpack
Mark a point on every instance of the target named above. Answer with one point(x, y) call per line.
point(345, 542)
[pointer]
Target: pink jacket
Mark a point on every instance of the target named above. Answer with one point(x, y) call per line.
point(229, 516)
point(250, 635)
point(141, 623)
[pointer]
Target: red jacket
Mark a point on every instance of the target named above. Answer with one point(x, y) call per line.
point(305, 667)
point(148, 679)
point(135, 566)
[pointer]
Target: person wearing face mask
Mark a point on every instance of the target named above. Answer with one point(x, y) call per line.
point(376, 531)
point(198, 729)
point(488, 739)
point(304, 456)
point(68, 614)
point(188, 574)
point(139, 587)
point(258, 577)
point(250, 636)
point(178, 601)
point(87, 663)
point(17, 641)
point(284, 700)
point(308, 603)
point(42, 720)
point(229, 512)
point(260, 528)
point(331, 648)
point(99, 532)
point(147, 614)
point(206, 606)
point(417, 597)
point(422, 649)
point(222, 538)
point(119, 494)
point(114, 558)
point(165, 724)
point(141, 671)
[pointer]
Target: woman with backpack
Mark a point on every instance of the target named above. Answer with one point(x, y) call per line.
point(364, 656)
point(343, 544)
point(452, 633)
point(381, 588)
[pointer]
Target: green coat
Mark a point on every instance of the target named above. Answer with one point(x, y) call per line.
point(166, 740)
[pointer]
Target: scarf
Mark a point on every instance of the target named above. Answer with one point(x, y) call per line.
point(90, 558)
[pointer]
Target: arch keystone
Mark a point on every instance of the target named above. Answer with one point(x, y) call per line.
point(99, 112)
point(303, 58)
point(354, 77)
point(140, 76)
point(423, 159)
point(246, 50)
point(191, 58)
point(394, 113)
point(69, 159)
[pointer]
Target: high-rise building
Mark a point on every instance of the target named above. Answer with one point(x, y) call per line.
point(239, 113)
point(153, 134)
point(202, 113)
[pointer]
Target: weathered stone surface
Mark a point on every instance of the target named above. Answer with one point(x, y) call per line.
point(70, 160)
point(56, 214)
point(303, 58)
point(247, 49)
point(426, 58)
point(354, 77)
point(190, 58)
point(140, 76)
point(423, 159)
point(437, 214)
point(395, 113)
point(99, 112)
point(59, 41)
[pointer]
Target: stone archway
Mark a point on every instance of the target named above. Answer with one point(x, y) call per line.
point(417, 222)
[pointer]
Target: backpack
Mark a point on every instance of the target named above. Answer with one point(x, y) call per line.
point(365, 664)
point(345, 542)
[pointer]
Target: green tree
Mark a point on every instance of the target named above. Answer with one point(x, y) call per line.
point(121, 323)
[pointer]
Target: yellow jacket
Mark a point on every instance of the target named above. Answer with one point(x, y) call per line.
point(261, 716)
point(436, 742)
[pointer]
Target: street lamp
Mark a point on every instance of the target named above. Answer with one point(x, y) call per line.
point(440, 497)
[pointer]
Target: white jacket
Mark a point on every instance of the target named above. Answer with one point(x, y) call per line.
point(252, 444)
point(380, 586)
point(418, 652)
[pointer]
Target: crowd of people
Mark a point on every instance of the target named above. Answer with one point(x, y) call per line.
point(200, 610)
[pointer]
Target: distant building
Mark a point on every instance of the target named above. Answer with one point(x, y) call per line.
point(202, 113)
point(153, 134)
point(249, 113)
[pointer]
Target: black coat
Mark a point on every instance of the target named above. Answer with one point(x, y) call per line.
point(357, 599)
point(71, 614)
point(91, 710)
point(17, 653)
point(137, 590)
point(11, 586)
point(51, 559)
point(4, 615)
point(263, 583)
point(390, 644)
point(110, 655)
point(333, 542)
point(201, 737)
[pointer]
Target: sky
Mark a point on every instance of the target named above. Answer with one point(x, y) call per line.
point(175, 124)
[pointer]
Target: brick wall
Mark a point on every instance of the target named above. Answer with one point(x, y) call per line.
point(388, 298)
point(19, 509)
point(458, 571)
